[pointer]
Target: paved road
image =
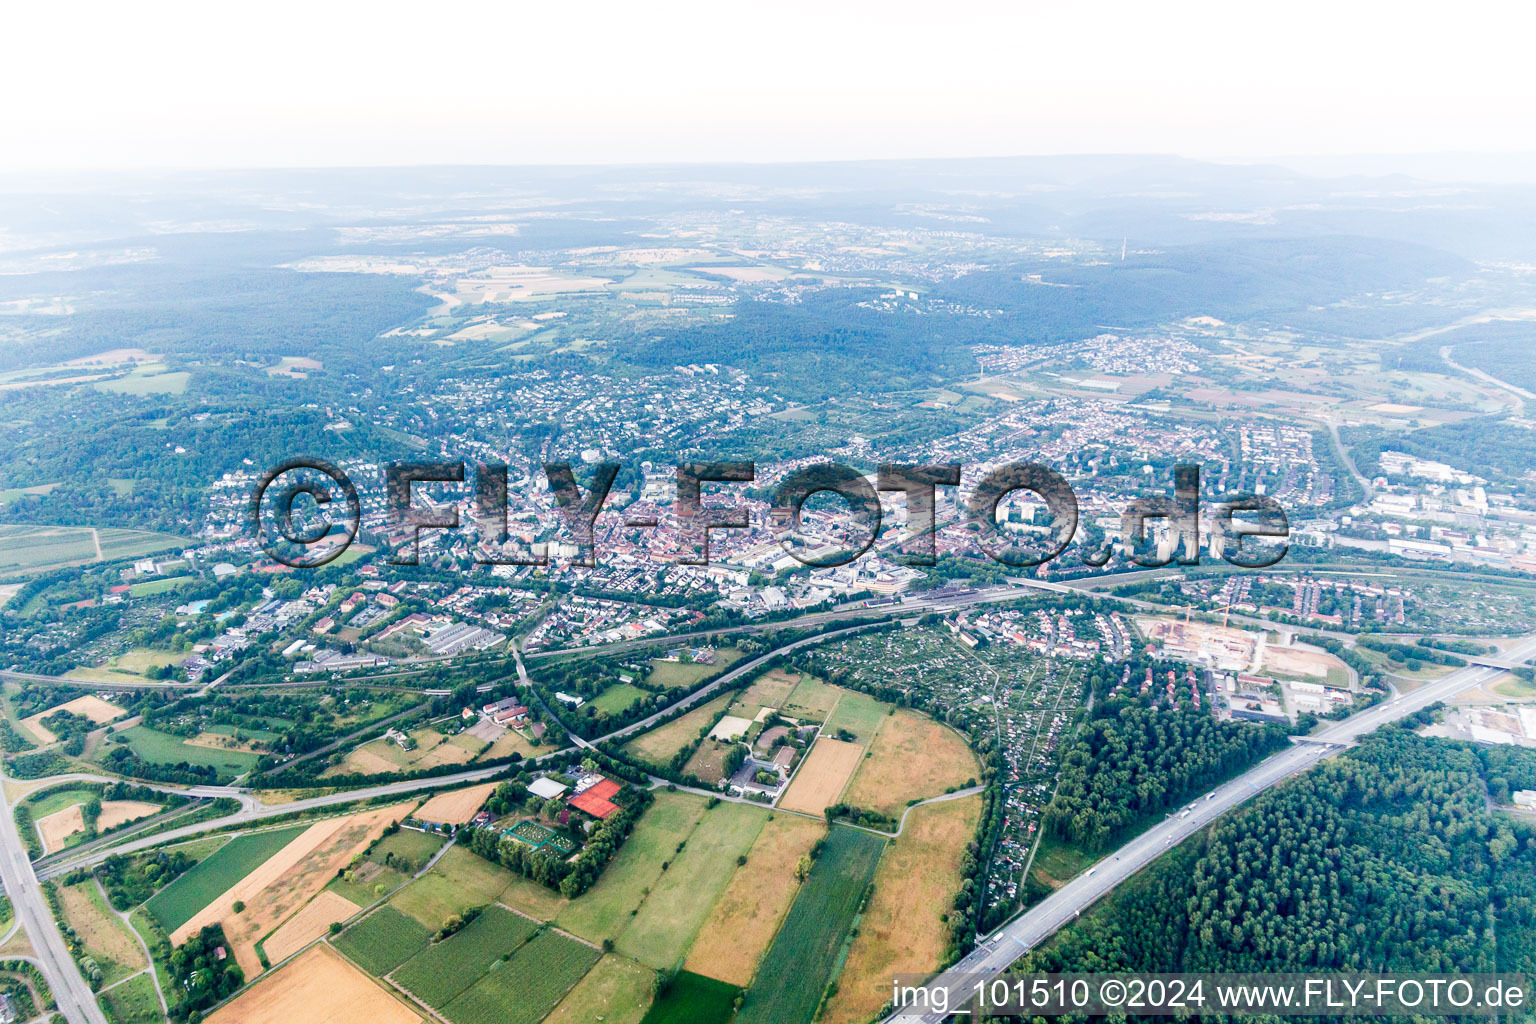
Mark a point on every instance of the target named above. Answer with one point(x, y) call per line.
point(76, 1001)
point(997, 952)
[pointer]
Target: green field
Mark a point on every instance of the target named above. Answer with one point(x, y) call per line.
point(383, 941)
point(617, 698)
point(693, 999)
point(444, 970)
point(524, 989)
point(43, 804)
point(859, 713)
point(603, 911)
point(797, 967)
point(216, 874)
point(458, 881)
point(152, 587)
point(163, 748)
point(133, 1002)
point(659, 744)
point(685, 673)
point(615, 991)
point(683, 896)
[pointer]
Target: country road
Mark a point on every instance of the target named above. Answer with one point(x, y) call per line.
point(998, 951)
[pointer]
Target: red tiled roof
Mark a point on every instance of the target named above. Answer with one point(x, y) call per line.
point(598, 807)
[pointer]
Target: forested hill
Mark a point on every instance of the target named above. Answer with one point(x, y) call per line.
point(1384, 859)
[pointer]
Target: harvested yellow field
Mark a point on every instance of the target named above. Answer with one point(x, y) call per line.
point(822, 776)
point(456, 807)
point(747, 915)
point(120, 812)
point(901, 931)
point(317, 988)
point(59, 826)
point(97, 710)
point(912, 758)
point(308, 925)
point(287, 880)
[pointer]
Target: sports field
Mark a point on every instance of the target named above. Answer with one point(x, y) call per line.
point(525, 988)
point(439, 974)
point(804, 954)
point(215, 874)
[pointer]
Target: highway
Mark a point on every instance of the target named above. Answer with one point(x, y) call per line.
point(998, 951)
point(76, 1001)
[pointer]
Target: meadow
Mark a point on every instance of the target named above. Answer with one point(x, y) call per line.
point(163, 748)
point(681, 898)
point(795, 972)
point(215, 875)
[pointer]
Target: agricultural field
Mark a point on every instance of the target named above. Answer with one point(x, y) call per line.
point(288, 880)
point(457, 806)
point(162, 748)
point(744, 919)
point(309, 924)
point(525, 988)
point(659, 744)
point(805, 953)
point(383, 940)
point(902, 930)
point(603, 911)
point(912, 758)
point(693, 999)
point(615, 991)
point(40, 548)
point(822, 776)
point(680, 899)
point(216, 874)
point(318, 986)
point(444, 970)
point(97, 710)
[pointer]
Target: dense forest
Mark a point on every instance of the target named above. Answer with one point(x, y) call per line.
point(1383, 859)
point(1130, 762)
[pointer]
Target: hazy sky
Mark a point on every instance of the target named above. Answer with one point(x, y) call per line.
point(318, 83)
